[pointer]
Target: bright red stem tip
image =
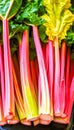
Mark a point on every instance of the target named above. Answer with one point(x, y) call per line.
point(9, 111)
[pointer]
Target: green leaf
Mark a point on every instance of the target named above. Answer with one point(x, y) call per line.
point(70, 36)
point(29, 13)
point(15, 7)
point(72, 9)
point(8, 8)
point(5, 7)
point(15, 28)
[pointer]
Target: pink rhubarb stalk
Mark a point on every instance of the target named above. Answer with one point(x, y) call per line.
point(71, 102)
point(43, 88)
point(67, 72)
point(9, 110)
point(62, 78)
point(57, 79)
point(17, 93)
point(2, 76)
point(51, 72)
point(2, 119)
point(29, 96)
point(2, 88)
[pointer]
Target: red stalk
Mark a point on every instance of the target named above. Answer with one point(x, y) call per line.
point(67, 90)
point(71, 90)
point(71, 99)
point(44, 53)
point(45, 50)
point(28, 91)
point(51, 73)
point(36, 70)
point(47, 58)
point(43, 88)
point(34, 75)
point(57, 111)
point(2, 119)
point(66, 119)
point(9, 110)
point(18, 97)
point(62, 78)
point(72, 68)
point(2, 76)
point(17, 70)
point(2, 96)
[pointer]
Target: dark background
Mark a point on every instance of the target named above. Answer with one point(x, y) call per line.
point(52, 126)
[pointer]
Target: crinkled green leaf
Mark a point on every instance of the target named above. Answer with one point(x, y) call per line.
point(72, 9)
point(70, 36)
point(29, 13)
point(16, 28)
point(70, 33)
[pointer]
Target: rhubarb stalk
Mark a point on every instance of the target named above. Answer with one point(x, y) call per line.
point(51, 72)
point(67, 77)
point(43, 88)
point(57, 80)
point(18, 97)
point(26, 82)
point(2, 88)
point(9, 111)
point(62, 77)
